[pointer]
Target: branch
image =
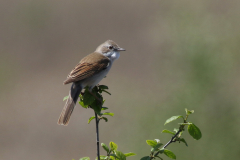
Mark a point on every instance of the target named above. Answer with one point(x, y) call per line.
point(171, 141)
point(181, 128)
point(97, 131)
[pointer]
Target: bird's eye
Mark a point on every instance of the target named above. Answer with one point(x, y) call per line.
point(110, 47)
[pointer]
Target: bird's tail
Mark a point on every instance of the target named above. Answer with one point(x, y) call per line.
point(70, 104)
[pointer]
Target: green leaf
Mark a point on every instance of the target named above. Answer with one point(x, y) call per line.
point(65, 98)
point(169, 153)
point(102, 87)
point(184, 123)
point(88, 98)
point(175, 130)
point(188, 112)
point(102, 157)
point(157, 140)
point(161, 150)
point(95, 89)
point(194, 131)
point(96, 106)
point(151, 143)
point(173, 118)
point(108, 113)
point(99, 96)
point(107, 92)
point(82, 104)
point(167, 131)
point(85, 158)
point(145, 158)
point(183, 140)
point(120, 155)
point(105, 119)
point(129, 154)
point(90, 119)
point(113, 156)
point(105, 147)
point(113, 146)
point(156, 147)
point(104, 108)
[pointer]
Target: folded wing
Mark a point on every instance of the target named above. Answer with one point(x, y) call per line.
point(87, 67)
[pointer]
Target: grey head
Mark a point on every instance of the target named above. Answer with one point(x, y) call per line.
point(109, 47)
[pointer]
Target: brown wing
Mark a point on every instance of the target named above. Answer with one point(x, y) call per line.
point(87, 67)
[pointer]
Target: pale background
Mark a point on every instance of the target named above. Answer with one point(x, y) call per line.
point(180, 54)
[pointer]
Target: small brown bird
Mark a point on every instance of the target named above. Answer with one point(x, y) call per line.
point(89, 72)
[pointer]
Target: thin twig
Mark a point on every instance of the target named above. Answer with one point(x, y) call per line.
point(97, 131)
point(172, 140)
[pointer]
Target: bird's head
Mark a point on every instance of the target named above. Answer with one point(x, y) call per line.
point(110, 49)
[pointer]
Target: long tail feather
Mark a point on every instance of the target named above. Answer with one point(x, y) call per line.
point(70, 104)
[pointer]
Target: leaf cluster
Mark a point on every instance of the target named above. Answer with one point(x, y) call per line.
point(88, 100)
point(112, 153)
point(156, 149)
point(95, 101)
point(193, 130)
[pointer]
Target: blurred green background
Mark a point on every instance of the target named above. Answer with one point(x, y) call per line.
point(180, 54)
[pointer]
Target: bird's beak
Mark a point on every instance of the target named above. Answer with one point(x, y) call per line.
point(121, 49)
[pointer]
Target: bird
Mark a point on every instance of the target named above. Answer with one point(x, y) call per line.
point(89, 72)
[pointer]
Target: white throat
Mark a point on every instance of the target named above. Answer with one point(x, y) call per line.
point(113, 55)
